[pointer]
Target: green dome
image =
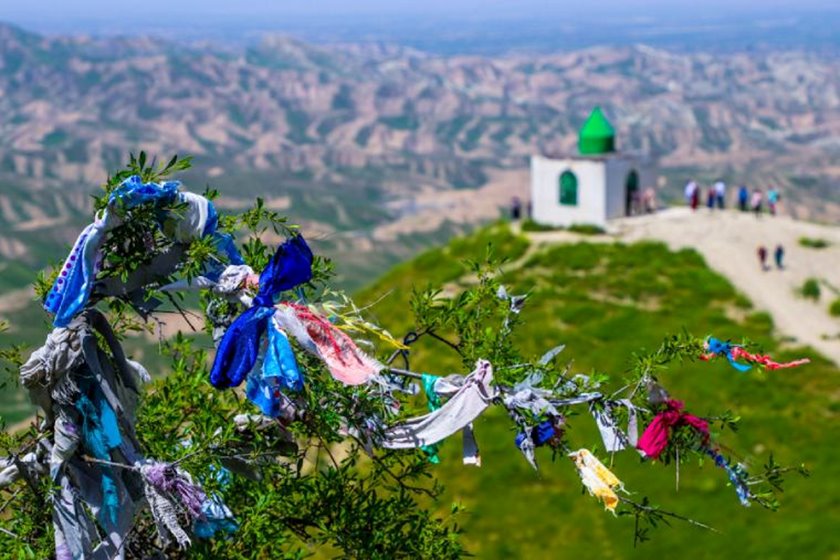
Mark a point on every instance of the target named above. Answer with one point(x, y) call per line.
point(597, 136)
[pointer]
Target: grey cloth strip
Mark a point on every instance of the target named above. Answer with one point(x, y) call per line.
point(448, 385)
point(459, 411)
point(52, 374)
point(471, 454)
point(580, 399)
point(527, 448)
point(74, 529)
point(551, 354)
point(614, 438)
point(531, 399)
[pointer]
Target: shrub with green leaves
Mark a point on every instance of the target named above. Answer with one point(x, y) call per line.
point(811, 289)
point(307, 486)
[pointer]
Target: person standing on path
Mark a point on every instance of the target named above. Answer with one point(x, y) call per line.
point(772, 200)
point(762, 256)
point(649, 200)
point(711, 196)
point(691, 194)
point(720, 194)
point(779, 255)
point(755, 203)
point(515, 209)
point(743, 198)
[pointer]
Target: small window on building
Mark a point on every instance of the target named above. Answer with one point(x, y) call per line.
point(568, 189)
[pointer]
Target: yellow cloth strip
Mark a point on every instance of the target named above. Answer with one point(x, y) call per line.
point(597, 478)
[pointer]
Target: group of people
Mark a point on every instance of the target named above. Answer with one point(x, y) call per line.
point(716, 197)
point(778, 255)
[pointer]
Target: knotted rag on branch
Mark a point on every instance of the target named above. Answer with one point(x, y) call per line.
point(597, 478)
point(239, 349)
point(74, 284)
point(657, 435)
point(733, 352)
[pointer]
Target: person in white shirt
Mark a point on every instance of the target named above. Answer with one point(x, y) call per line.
point(690, 194)
point(720, 194)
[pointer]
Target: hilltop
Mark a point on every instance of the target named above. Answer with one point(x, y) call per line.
point(604, 299)
point(729, 241)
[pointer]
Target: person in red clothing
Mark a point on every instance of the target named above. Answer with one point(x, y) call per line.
point(762, 256)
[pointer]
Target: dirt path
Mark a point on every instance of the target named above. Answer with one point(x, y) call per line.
point(729, 242)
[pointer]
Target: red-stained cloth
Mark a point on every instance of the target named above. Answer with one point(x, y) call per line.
point(765, 360)
point(655, 439)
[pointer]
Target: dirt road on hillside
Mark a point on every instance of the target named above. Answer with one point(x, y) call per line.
point(729, 241)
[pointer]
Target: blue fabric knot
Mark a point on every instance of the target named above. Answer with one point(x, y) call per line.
point(73, 285)
point(134, 192)
point(290, 266)
point(721, 348)
point(239, 348)
point(541, 434)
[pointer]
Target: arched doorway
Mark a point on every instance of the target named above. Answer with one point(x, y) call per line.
point(632, 193)
point(568, 189)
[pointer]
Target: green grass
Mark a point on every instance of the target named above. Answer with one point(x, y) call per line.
point(810, 289)
point(586, 229)
point(531, 225)
point(814, 242)
point(604, 302)
point(834, 308)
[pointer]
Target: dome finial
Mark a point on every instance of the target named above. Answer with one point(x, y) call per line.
point(597, 135)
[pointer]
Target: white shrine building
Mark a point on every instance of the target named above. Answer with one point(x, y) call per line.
point(590, 188)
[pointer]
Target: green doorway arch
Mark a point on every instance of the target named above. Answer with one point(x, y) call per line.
point(568, 189)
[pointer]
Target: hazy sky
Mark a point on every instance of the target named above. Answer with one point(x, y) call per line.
point(34, 10)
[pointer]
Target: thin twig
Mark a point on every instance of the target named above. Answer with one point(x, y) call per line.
point(649, 509)
point(10, 500)
point(181, 311)
point(452, 345)
point(11, 534)
point(678, 468)
point(89, 459)
point(405, 373)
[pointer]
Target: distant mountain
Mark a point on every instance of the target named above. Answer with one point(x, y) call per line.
point(355, 138)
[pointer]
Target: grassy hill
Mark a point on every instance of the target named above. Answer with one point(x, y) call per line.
point(605, 301)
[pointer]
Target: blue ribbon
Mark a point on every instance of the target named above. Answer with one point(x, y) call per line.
point(224, 241)
point(72, 288)
point(279, 371)
point(239, 348)
point(736, 476)
point(722, 348)
point(100, 435)
point(280, 362)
